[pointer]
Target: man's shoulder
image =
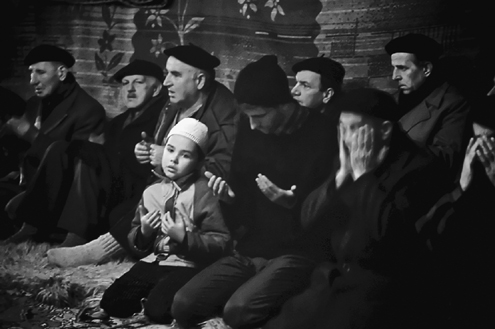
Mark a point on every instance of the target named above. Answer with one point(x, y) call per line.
point(220, 98)
point(85, 100)
point(445, 95)
point(408, 159)
point(220, 108)
point(320, 126)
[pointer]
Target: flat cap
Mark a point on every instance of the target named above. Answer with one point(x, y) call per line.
point(49, 53)
point(368, 101)
point(324, 66)
point(194, 56)
point(425, 48)
point(140, 67)
point(263, 83)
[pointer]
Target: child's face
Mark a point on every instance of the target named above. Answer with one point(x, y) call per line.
point(180, 157)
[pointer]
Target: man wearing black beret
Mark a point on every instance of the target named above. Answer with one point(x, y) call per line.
point(434, 113)
point(60, 109)
point(362, 220)
point(193, 92)
point(318, 81)
point(80, 178)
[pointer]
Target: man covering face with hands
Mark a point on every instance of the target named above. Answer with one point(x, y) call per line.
point(363, 218)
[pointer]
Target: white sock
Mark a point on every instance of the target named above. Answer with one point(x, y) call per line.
point(93, 252)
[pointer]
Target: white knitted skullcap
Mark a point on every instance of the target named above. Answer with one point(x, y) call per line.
point(194, 130)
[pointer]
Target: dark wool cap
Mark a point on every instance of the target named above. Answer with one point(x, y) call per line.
point(140, 67)
point(262, 83)
point(49, 53)
point(194, 56)
point(324, 66)
point(372, 102)
point(425, 48)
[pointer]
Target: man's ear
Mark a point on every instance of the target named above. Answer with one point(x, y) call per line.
point(428, 68)
point(386, 129)
point(200, 80)
point(327, 95)
point(158, 87)
point(62, 72)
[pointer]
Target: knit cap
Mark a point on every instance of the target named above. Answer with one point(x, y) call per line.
point(262, 83)
point(194, 130)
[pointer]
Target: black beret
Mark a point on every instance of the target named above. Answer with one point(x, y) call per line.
point(324, 66)
point(425, 48)
point(194, 56)
point(262, 83)
point(49, 53)
point(140, 67)
point(368, 101)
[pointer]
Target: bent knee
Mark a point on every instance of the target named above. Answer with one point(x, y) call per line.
point(182, 309)
point(238, 314)
point(157, 313)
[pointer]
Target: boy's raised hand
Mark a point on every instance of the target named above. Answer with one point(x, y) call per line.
point(176, 230)
point(149, 221)
point(220, 187)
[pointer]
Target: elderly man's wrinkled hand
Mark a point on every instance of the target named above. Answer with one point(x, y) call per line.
point(284, 198)
point(156, 155)
point(142, 152)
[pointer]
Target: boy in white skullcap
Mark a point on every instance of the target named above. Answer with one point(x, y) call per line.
point(178, 229)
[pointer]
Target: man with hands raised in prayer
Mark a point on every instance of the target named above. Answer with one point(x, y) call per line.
point(461, 226)
point(279, 145)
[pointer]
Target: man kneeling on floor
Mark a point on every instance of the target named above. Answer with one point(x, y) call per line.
point(178, 229)
point(281, 153)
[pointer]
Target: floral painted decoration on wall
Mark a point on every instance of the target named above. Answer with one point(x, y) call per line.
point(156, 18)
point(249, 7)
point(106, 59)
